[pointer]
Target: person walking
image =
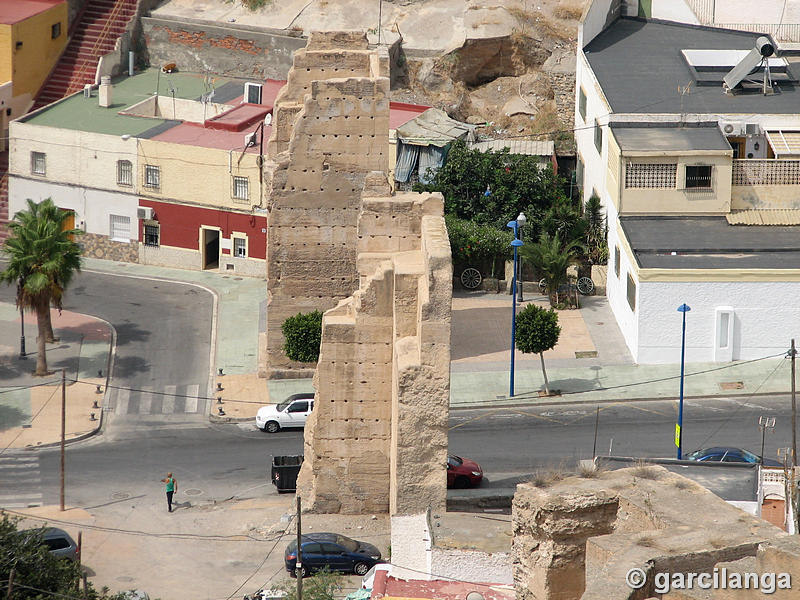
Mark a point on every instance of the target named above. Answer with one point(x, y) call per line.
point(172, 488)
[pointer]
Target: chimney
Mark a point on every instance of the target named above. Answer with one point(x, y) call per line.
point(105, 91)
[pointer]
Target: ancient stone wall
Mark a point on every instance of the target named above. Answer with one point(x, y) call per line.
point(377, 439)
point(578, 538)
point(330, 126)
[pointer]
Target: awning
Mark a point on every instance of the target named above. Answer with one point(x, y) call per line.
point(784, 143)
point(434, 128)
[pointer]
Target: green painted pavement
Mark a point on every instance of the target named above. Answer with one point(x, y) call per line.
point(15, 407)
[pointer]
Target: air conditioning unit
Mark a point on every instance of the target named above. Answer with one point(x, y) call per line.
point(252, 92)
point(145, 213)
point(732, 128)
point(250, 139)
point(753, 129)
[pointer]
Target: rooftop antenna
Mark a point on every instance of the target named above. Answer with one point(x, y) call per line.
point(757, 57)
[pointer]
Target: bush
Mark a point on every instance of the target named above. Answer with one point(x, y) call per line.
point(303, 334)
point(477, 245)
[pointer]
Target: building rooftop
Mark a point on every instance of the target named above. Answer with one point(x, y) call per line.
point(647, 137)
point(225, 131)
point(641, 69)
point(14, 11)
point(526, 147)
point(710, 243)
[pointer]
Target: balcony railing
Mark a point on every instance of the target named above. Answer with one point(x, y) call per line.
point(788, 32)
point(753, 171)
point(703, 10)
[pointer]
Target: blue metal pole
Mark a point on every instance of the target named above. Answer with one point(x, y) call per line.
point(683, 308)
point(513, 317)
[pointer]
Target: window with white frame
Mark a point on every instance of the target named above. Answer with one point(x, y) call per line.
point(650, 175)
point(38, 163)
point(240, 247)
point(582, 104)
point(152, 176)
point(152, 234)
point(120, 228)
point(124, 172)
point(698, 177)
point(241, 188)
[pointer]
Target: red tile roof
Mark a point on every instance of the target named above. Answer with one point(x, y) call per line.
point(14, 11)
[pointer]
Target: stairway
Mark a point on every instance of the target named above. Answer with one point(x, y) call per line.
point(3, 196)
point(95, 35)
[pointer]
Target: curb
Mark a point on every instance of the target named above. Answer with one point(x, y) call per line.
point(226, 419)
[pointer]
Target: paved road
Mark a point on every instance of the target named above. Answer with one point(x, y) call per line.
point(163, 335)
point(221, 461)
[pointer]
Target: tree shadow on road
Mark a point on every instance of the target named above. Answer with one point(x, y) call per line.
point(12, 416)
point(126, 366)
point(130, 332)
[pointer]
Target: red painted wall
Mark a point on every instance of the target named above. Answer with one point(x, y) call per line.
point(180, 226)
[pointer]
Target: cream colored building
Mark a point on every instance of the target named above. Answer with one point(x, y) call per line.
point(701, 184)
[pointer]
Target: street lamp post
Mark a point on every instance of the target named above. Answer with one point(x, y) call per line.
point(21, 323)
point(683, 308)
point(515, 243)
point(521, 220)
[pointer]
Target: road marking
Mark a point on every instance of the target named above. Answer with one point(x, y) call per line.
point(20, 497)
point(18, 466)
point(168, 404)
point(192, 391)
point(19, 459)
point(123, 396)
point(22, 504)
point(144, 402)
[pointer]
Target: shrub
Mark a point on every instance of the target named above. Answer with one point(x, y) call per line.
point(303, 334)
point(473, 244)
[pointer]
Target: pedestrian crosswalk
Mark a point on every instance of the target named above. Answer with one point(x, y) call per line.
point(166, 400)
point(20, 480)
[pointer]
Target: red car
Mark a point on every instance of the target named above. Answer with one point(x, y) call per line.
point(463, 472)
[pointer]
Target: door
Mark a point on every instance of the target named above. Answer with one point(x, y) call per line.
point(336, 557)
point(774, 511)
point(69, 221)
point(297, 413)
point(312, 558)
point(210, 249)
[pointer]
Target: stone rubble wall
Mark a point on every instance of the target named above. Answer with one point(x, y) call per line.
point(577, 538)
point(329, 130)
point(377, 439)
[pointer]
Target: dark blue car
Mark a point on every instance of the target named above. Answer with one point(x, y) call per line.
point(337, 552)
point(729, 455)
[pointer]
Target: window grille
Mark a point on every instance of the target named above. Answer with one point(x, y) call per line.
point(241, 188)
point(152, 176)
point(240, 247)
point(582, 104)
point(38, 163)
point(698, 177)
point(124, 172)
point(598, 137)
point(151, 235)
point(120, 228)
point(650, 175)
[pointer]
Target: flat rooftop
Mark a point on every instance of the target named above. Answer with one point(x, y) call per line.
point(710, 243)
point(648, 137)
point(640, 68)
point(14, 11)
point(85, 114)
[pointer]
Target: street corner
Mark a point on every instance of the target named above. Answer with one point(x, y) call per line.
point(35, 415)
point(81, 326)
point(239, 396)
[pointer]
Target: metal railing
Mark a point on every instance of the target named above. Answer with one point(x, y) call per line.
point(755, 171)
point(787, 32)
point(78, 75)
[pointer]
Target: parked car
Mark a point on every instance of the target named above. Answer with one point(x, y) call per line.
point(292, 412)
point(463, 472)
point(730, 455)
point(337, 552)
point(58, 542)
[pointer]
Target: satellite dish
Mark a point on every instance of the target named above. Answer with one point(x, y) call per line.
point(268, 119)
point(728, 128)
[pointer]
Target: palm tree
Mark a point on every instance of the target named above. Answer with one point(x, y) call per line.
point(551, 258)
point(42, 261)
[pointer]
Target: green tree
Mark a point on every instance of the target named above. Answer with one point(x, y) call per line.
point(596, 231)
point(43, 258)
point(515, 183)
point(537, 331)
point(322, 585)
point(551, 259)
point(303, 335)
point(38, 575)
